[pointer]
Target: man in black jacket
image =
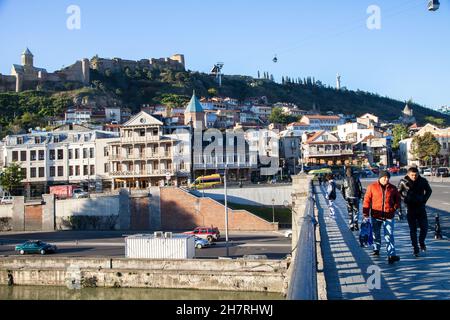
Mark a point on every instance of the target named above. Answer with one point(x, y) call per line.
point(415, 191)
point(352, 192)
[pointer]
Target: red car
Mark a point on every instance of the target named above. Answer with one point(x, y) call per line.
point(209, 233)
point(394, 170)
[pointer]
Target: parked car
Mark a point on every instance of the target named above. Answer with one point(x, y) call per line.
point(394, 170)
point(288, 233)
point(80, 193)
point(201, 243)
point(442, 172)
point(7, 199)
point(427, 172)
point(35, 246)
point(209, 233)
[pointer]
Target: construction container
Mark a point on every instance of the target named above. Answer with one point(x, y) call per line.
point(160, 246)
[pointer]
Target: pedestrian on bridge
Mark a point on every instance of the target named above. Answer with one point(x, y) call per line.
point(381, 202)
point(352, 193)
point(415, 191)
point(331, 195)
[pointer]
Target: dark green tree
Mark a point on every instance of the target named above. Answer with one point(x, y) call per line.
point(425, 147)
point(399, 132)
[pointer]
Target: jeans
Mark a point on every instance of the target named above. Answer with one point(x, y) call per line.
point(353, 210)
point(417, 219)
point(388, 226)
point(331, 207)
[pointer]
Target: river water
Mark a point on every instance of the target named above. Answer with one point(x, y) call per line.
point(63, 293)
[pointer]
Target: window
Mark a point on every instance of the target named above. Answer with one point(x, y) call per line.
point(15, 156)
point(70, 153)
point(91, 153)
point(85, 153)
point(52, 171)
point(60, 171)
point(56, 139)
point(33, 173)
point(92, 170)
point(77, 153)
point(33, 155)
point(142, 133)
point(106, 167)
point(19, 140)
point(24, 171)
point(23, 156)
point(106, 152)
point(85, 170)
point(41, 172)
point(52, 154)
point(60, 154)
point(41, 154)
point(77, 170)
point(70, 171)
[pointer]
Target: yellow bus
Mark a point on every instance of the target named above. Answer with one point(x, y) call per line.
point(206, 181)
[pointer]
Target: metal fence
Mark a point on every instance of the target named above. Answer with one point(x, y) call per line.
point(303, 282)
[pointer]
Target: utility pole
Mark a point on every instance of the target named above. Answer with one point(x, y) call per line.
point(226, 209)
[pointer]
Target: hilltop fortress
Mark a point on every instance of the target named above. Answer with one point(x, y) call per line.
point(28, 77)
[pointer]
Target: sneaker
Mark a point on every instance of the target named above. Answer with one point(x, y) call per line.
point(416, 252)
point(376, 253)
point(393, 259)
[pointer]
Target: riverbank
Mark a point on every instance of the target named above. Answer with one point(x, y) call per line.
point(200, 274)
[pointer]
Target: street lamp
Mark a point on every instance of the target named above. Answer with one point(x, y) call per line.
point(226, 208)
point(273, 210)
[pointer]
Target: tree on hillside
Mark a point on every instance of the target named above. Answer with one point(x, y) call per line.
point(212, 92)
point(11, 177)
point(425, 147)
point(172, 101)
point(399, 132)
point(438, 122)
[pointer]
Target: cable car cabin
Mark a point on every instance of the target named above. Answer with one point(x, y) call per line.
point(433, 5)
point(275, 59)
point(204, 182)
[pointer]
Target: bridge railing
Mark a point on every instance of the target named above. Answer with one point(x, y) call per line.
point(303, 276)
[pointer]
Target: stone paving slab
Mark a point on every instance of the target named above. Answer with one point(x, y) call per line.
point(346, 263)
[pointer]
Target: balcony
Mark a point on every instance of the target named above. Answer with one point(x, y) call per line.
point(141, 156)
point(143, 173)
point(145, 138)
point(328, 153)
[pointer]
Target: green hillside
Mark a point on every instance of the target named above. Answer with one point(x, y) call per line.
point(132, 88)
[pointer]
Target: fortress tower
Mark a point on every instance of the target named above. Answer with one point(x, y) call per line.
point(27, 58)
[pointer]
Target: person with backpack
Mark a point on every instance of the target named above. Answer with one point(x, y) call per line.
point(381, 202)
point(352, 192)
point(415, 192)
point(331, 195)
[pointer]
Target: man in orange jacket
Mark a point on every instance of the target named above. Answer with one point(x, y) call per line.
point(381, 202)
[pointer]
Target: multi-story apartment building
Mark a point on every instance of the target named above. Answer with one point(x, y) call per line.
point(323, 147)
point(320, 122)
point(146, 155)
point(59, 157)
point(356, 131)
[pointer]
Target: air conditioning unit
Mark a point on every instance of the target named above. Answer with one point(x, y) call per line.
point(168, 235)
point(158, 234)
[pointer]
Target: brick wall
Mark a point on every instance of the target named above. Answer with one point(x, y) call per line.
point(180, 210)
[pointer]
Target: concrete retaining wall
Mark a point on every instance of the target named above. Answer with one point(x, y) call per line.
point(238, 275)
point(6, 211)
point(258, 196)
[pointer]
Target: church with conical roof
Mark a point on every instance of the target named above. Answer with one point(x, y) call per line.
point(194, 113)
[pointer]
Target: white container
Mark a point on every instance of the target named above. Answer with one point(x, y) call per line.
point(147, 246)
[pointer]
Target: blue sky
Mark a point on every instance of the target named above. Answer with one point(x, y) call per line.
point(407, 58)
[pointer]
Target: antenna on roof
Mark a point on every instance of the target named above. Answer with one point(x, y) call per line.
point(217, 71)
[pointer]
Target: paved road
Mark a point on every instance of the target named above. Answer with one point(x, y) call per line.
point(111, 243)
point(349, 269)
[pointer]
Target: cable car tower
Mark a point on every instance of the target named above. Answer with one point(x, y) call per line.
point(433, 5)
point(217, 71)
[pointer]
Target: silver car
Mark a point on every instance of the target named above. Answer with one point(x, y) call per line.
point(79, 193)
